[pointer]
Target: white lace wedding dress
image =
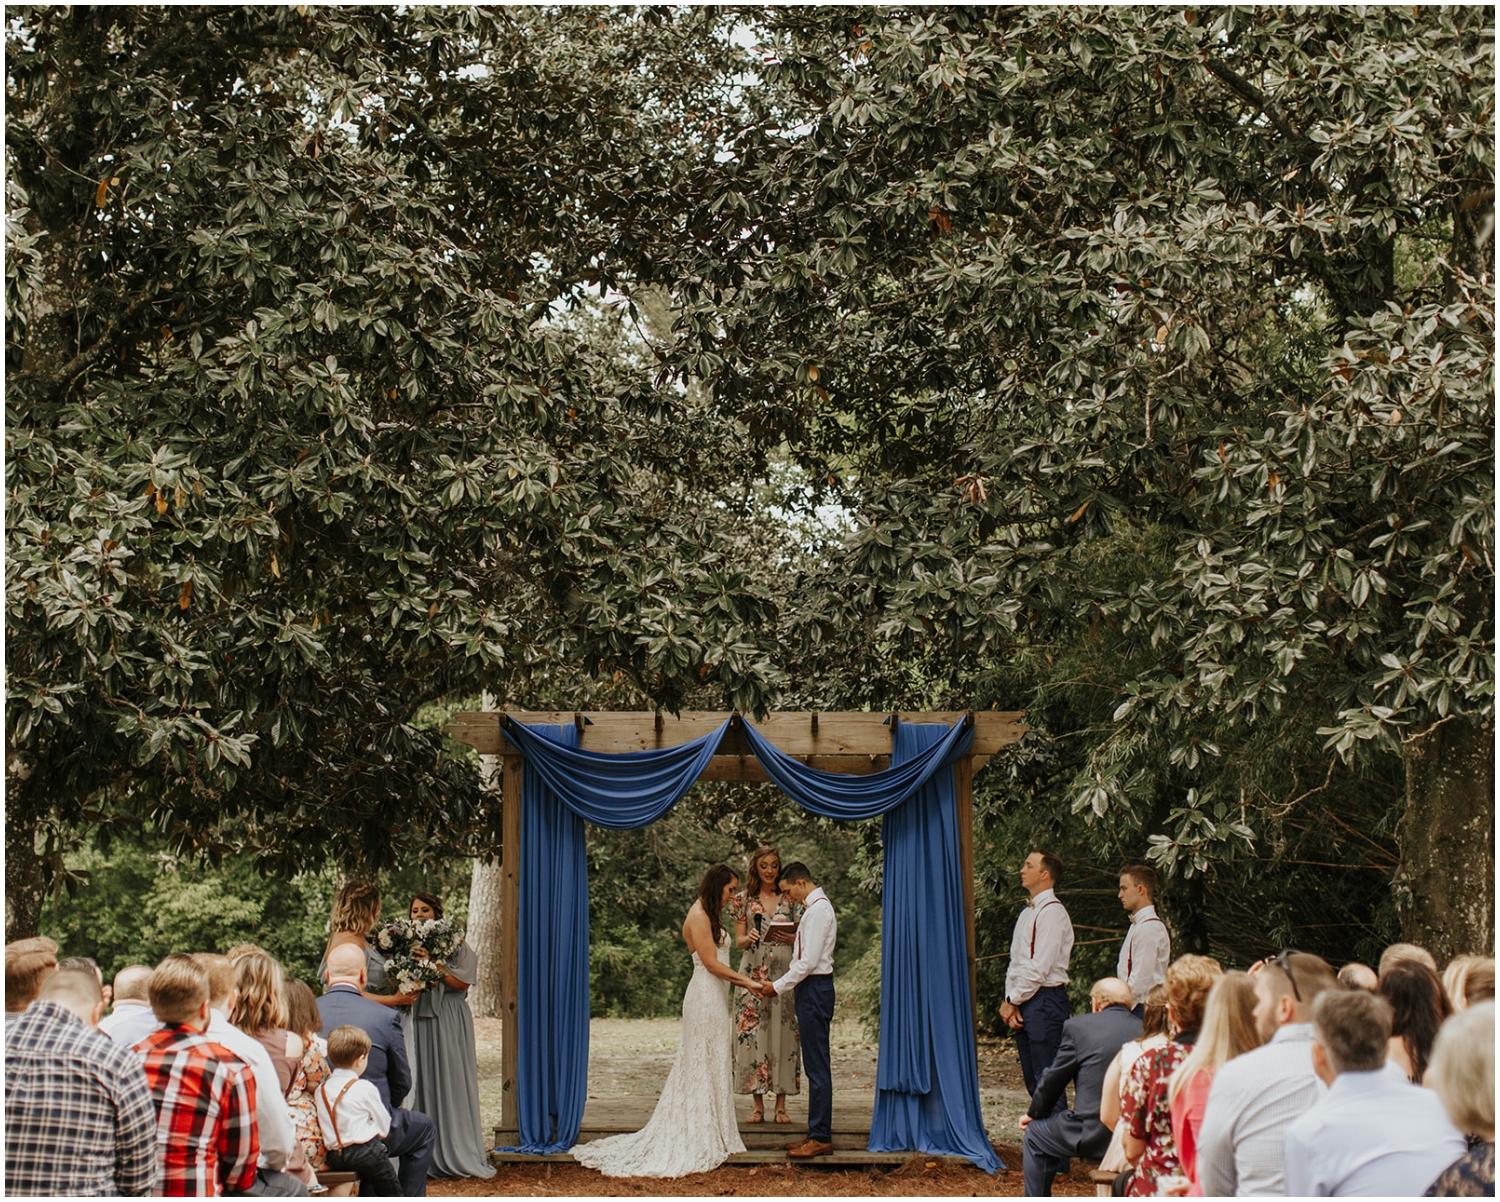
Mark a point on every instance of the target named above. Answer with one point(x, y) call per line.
point(693, 1128)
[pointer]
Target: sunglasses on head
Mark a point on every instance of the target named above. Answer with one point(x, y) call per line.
point(1282, 960)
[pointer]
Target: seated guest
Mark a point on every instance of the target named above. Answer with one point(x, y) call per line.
point(1419, 1007)
point(1153, 1036)
point(1398, 953)
point(353, 1119)
point(1255, 1097)
point(276, 1137)
point(1453, 981)
point(1146, 1113)
point(1479, 984)
point(260, 1012)
point(1229, 1030)
point(412, 1135)
point(1462, 1072)
point(131, 1020)
point(204, 1094)
point(1355, 975)
point(1089, 1045)
point(312, 1070)
point(1373, 1135)
point(28, 962)
point(79, 1120)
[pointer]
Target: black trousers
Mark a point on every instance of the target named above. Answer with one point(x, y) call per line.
point(814, 1002)
point(372, 1162)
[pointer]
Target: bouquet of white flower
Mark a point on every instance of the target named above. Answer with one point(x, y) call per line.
point(399, 942)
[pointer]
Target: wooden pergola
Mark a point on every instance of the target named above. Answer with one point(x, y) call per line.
point(855, 743)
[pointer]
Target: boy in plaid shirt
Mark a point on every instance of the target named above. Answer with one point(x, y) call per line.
point(205, 1095)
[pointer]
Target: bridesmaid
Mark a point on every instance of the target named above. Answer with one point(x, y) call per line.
point(767, 1052)
point(444, 1068)
point(356, 912)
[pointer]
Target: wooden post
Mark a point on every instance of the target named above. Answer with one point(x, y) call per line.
point(963, 788)
point(510, 899)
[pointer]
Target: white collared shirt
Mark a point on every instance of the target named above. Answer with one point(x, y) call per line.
point(272, 1118)
point(130, 1023)
point(812, 954)
point(1040, 947)
point(1145, 954)
point(362, 1115)
point(1375, 1135)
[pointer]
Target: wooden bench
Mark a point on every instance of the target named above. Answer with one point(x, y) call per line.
point(1104, 1182)
point(339, 1185)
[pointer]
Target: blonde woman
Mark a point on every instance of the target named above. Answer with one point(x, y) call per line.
point(1228, 1030)
point(260, 1011)
point(767, 1054)
point(356, 912)
point(1463, 1074)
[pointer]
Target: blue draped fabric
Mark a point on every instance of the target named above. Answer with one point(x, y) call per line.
point(927, 1081)
point(561, 787)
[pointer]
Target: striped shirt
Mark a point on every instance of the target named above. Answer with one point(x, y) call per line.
point(205, 1113)
point(78, 1115)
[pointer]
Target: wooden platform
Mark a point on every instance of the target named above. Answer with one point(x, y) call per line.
point(764, 1142)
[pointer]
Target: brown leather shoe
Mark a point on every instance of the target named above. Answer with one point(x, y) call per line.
point(796, 1143)
point(811, 1148)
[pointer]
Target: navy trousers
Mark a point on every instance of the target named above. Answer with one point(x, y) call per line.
point(1050, 1143)
point(814, 997)
point(372, 1161)
point(413, 1140)
point(1042, 1018)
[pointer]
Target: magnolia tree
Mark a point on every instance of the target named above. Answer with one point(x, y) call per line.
point(1018, 285)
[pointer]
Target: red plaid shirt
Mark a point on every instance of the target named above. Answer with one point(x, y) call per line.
point(205, 1113)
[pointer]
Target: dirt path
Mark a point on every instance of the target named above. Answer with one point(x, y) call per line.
point(633, 1056)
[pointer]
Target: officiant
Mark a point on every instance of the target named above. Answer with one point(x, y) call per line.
point(767, 1056)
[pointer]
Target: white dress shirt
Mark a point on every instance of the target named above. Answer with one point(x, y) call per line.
point(1254, 1099)
point(130, 1023)
point(812, 954)
point(1040, 947)
point(1145, 954)
point(1374, 1135)
point(362, 1115)
point(272, 1117)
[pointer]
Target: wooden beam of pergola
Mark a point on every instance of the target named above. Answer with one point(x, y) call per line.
point(856, 743)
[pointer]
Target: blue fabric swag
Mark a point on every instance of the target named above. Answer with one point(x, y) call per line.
point(927, 1080)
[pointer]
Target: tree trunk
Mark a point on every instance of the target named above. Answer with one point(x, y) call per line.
point(484, 902)
point(1446, 885)
point(25, 885)
point(484, 935)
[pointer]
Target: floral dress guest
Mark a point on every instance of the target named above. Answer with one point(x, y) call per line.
point(767, 1052)
point(1145, 1107)
point(311, 1071)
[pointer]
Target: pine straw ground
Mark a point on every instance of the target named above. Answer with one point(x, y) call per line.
point(634, 1056)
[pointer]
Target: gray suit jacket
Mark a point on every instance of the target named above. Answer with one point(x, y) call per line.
point(1089, 1044)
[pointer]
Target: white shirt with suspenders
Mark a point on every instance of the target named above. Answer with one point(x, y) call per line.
point(1040, 948)
point(1145, 954)
point(350, 1111)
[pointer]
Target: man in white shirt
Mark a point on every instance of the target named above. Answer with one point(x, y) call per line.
point(1036, 985)
point(811, 972)
point(132, 1019)
point(1256, 1096)
point(1374, 1134)
point(1147, 950)
point(273, 1120)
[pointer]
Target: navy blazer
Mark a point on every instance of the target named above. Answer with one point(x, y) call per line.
point(1089, 1044)
point(343, 1005)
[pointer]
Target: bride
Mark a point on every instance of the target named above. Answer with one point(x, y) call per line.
point(693, 1128)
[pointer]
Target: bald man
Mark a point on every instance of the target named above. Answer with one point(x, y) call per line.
point(132, 1019)
point(412, 1136)
point(1089, 1043)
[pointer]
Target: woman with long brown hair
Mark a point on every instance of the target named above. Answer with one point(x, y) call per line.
point(767, 1056)
point(356, 911)
point(693, 1128)
point(260, 1011)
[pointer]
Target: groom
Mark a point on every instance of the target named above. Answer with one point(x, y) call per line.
point(811, 972)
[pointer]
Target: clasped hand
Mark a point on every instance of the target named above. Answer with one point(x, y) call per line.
point(761, 989)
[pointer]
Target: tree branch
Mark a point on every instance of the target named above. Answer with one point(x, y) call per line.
point(1243, 88)
point(86, 358)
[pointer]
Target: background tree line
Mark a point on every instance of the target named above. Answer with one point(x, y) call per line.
point(1133, 367)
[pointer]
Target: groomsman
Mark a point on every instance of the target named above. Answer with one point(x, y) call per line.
point(1147, 950)
point(1036, 986)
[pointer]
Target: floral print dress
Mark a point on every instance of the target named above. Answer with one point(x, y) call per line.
point(311, 1073)
point(1147, 1115)
point(767, 1051)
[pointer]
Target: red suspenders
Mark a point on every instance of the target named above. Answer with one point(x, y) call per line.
point(1130, 951)
point(1037, 919)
